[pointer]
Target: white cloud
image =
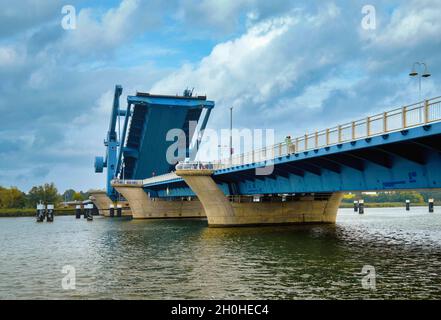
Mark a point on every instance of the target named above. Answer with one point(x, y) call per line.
point(221, 14)
point(109, 31)
point(228, 68)
point(287, 65)
point(414, 23)
point(9, 57)
point(256, 70)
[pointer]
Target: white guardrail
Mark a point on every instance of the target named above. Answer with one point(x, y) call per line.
point(164, 177)
point(414, 115)
point(127, 182)
point(199, 165)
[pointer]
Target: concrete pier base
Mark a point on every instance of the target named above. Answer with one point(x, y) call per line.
point(144, 207)
point(221, 212)
point(102, 201)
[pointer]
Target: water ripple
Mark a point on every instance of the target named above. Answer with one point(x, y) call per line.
point(172, 259)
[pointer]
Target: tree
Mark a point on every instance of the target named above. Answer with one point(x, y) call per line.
point(68, 195)
point(12, 198)
point(46, 193)
point(17, 198)
point(78, 197)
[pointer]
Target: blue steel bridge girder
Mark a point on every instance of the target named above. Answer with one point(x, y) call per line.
point(435, 146)
point(305, 167)
point(154, 116)
point(326, 165)
point(111, 144)
point(402, 160)
point(347, 161)
point(376, 156)
point(279, 172)
point(417, 155)
point(129, 151)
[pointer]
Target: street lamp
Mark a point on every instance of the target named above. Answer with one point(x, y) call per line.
point(424, 73)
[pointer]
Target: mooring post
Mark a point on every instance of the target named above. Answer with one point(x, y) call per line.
point(41, 208)
point(111, 210)
point(50, 213)
point(78, 211)
point(119, 210)
point(88, 214)
point(407, 205)
point(355, 206)
point(361, 206)
point(431, 205)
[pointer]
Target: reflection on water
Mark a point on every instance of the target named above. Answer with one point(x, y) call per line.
point(132, 259)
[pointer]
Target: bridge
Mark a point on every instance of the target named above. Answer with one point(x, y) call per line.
point(136, 142)
point(302, 182)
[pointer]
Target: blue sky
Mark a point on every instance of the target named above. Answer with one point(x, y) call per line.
point(293, 66)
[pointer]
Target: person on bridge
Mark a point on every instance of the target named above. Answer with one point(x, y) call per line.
point(289, 145)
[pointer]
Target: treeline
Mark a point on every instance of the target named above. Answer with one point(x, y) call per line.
point(395, 196)
point(13, 198)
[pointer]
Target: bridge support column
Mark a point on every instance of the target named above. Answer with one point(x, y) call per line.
point(101, 200)
point(144, 207)
point(222, 213)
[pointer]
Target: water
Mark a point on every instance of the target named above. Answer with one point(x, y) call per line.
point(133, 259)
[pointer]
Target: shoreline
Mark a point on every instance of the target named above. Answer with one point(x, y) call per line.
point(383, 205)
point(16, 213)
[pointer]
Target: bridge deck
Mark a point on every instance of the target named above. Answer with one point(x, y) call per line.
point(153, 116)
point(386, 145)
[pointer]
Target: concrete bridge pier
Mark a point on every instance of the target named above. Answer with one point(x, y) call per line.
point(221, 212)
point(144, 207)
point(102, 201)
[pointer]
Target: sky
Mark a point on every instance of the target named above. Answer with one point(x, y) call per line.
point(291, 66)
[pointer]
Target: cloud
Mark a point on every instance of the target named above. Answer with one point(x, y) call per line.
point(98, 35)
point(287, 72)
point(8, 57)
point(290, 65)
point(415, 23)
point(19, 16)
point(272, 61)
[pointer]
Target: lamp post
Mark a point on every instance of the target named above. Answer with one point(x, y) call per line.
point(424, 73)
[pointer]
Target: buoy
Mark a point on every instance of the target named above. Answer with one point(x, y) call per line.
point(40, 212)
point(50, 213)
point(431, 205)
point(119, 210)
point(355, 205)
point(78, 211)
point(361, 206)
point(407, 205)
point(111, 210)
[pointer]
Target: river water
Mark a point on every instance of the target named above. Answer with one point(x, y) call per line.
point(183, 259)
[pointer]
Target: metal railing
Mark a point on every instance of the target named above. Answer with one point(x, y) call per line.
point(199, 165)
point(414, 115)
point(164, 177)
point(127, 182)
